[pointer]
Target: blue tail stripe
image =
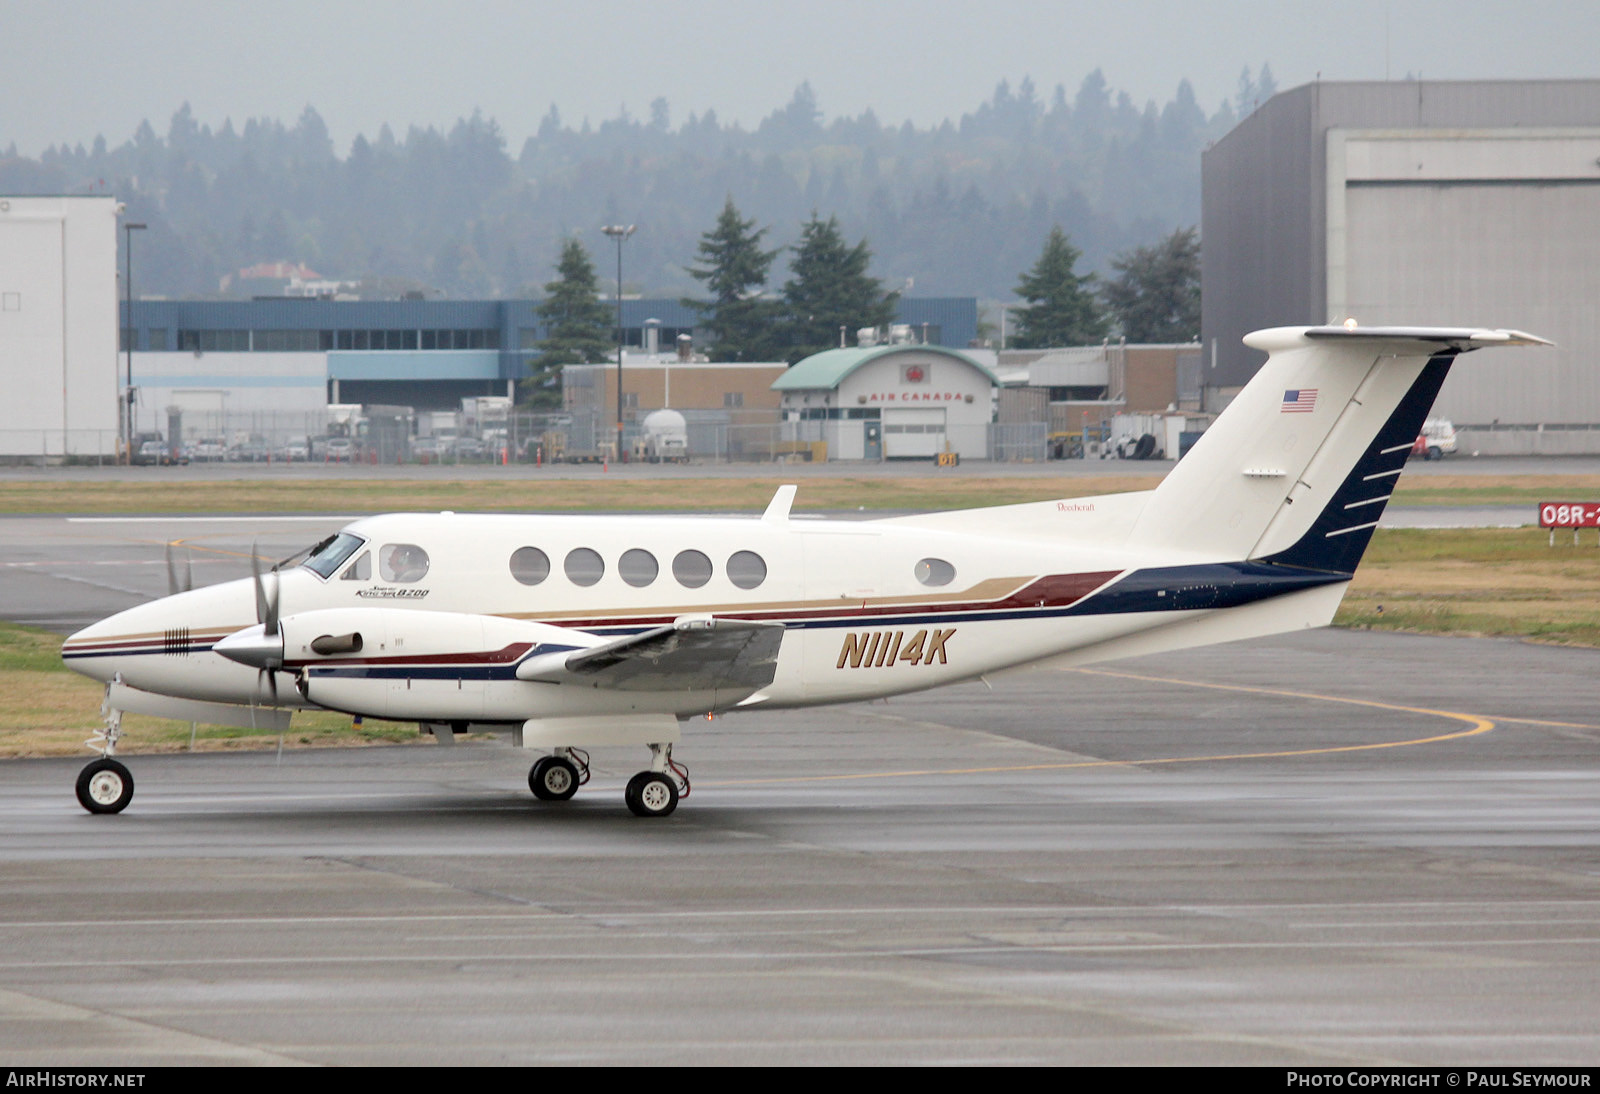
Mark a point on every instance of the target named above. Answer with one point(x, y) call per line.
point(1339, 536)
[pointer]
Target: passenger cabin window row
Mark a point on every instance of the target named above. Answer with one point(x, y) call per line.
point(638, 567)
point(406, 563)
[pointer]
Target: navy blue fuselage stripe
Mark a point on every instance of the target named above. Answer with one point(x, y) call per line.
point(1189, 588)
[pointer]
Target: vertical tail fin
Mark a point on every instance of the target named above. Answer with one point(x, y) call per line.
point(1299, 467)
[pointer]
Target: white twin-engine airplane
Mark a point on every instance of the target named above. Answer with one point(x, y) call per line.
point(576, 631)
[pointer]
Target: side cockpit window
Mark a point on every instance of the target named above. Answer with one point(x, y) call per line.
point(331, 553)
point(360, 569)
point(402, 563)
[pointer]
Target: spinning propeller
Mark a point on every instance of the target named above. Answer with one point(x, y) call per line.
point(269, 653)
point(174, 587)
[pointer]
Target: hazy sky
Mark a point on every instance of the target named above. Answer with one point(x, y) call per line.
point(72, 69)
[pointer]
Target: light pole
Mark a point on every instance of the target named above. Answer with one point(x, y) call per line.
point(619, 232)
point(130, 333)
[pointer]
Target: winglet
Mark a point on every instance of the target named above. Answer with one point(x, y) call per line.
point(778, 508)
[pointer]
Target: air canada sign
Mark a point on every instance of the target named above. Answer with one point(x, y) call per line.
point(915, 397)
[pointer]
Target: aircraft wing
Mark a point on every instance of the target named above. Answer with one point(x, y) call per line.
point(697, 654)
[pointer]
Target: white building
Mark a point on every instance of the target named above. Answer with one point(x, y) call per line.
point(890, 402)
point(274, 394)
point(58, 326)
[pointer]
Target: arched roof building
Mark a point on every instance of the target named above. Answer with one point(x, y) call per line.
point(891, 402)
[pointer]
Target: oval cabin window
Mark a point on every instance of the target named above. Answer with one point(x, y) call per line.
point(402, 563)
point(583, 566)
point(746, 569)
point(638, 567)
point(691, 568)
point(530, 565)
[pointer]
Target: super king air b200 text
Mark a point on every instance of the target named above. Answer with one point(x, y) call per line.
point(574, 631)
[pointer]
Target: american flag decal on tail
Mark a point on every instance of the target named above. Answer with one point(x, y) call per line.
point(1303, 401)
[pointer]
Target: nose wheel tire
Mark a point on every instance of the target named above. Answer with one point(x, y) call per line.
point(105, 786)
point(651, 794)
point(553, 779)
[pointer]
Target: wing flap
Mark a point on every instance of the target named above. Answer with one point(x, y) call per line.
point(690, 655)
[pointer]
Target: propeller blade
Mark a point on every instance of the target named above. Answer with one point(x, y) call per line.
point(172, 573)
point(261, 592)
point(188, 570)
point(266, 607)
point(270, 623)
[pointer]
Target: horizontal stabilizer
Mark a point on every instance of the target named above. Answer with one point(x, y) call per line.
point(1299, 467)
point(1462, 338)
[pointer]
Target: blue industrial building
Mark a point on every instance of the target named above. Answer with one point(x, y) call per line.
point(429, 354)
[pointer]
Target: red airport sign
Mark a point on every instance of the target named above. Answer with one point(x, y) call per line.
point(1569, 514)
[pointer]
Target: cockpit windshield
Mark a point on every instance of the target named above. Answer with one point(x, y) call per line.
point(327, 556)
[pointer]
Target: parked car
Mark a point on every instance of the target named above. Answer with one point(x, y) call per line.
point(209, 450)
point(430, 449)
point(252, 451)
point(469, 448)
point(297, 449)
point(339, 450)
point(157, 454)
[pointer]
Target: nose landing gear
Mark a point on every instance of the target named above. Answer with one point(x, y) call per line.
point(104, 785)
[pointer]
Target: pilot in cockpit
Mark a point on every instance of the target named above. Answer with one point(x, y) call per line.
point(406, 562)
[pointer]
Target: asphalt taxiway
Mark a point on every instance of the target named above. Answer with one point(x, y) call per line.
point(1326, 848)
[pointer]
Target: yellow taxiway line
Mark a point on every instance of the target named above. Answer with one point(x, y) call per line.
point(1476, 724)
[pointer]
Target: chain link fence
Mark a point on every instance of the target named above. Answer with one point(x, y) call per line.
point(388, 435)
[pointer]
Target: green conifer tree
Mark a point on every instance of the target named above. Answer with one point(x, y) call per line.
point(579, 326)
point(744, 324)
point(1155, 296)
point(1062, 309)
point(831, 289)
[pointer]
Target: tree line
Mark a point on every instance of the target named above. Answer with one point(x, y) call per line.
point(951, 209)
point(1154, 297)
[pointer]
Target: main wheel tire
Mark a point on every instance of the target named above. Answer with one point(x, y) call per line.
point(105, 786)
point(553, 779)
point(651, 794)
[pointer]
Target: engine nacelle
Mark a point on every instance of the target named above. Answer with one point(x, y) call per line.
point(404, 665)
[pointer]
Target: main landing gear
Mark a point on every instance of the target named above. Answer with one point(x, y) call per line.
point(655, 793)
point(556, 778)
point(652, 793)
point(104, 785)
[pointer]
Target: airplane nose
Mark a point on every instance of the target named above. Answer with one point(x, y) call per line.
point(76, 654)
point(254, 647)
point(98, 649)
